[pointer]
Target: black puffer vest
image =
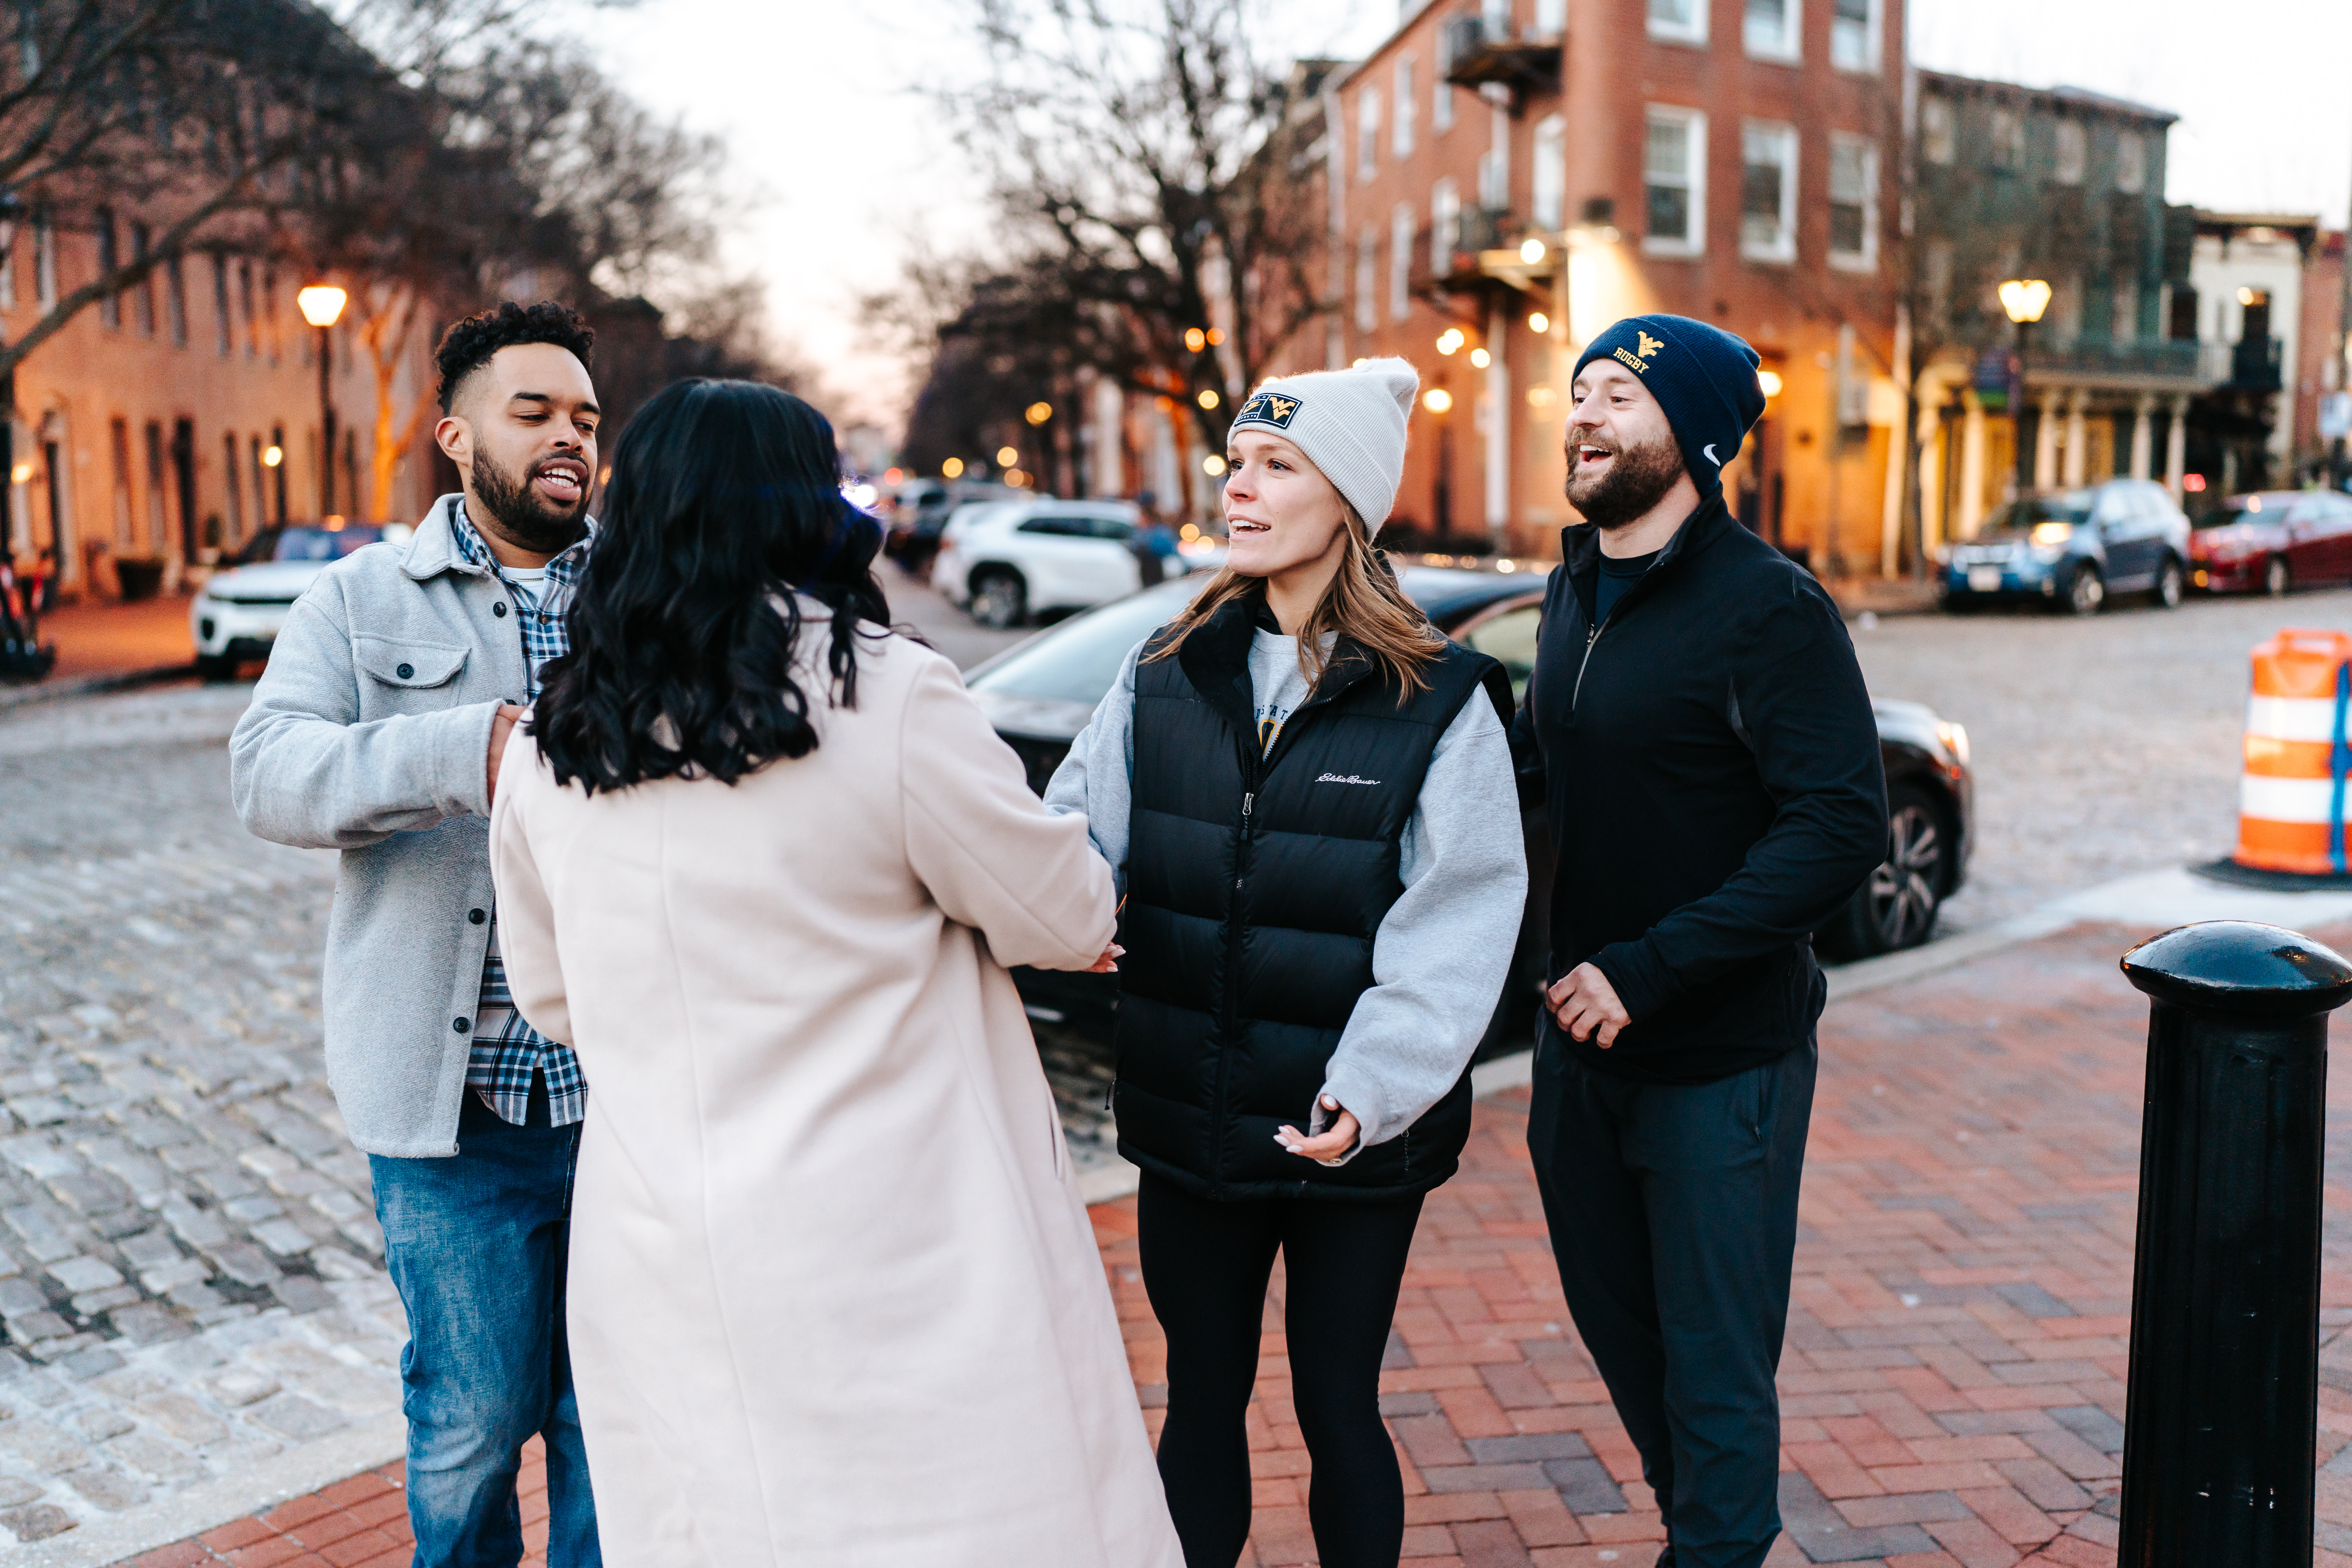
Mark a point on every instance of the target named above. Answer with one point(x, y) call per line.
point(1255, 886)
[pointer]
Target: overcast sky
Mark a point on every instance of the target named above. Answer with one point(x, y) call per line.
point(823, 109)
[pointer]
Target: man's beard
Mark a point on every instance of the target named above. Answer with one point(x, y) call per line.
point(524, 520)
point(1637, 480)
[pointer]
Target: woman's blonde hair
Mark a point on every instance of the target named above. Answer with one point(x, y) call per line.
point(1364, 605)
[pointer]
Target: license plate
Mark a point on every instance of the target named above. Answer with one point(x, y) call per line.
point(1984, 579)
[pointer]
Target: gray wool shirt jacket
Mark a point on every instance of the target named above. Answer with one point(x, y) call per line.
point(370, 733)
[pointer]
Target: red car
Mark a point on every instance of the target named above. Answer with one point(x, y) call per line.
point(2271, 541)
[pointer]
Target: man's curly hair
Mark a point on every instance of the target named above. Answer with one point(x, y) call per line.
point(467, 346)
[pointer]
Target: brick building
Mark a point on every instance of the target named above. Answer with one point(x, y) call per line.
point(169, 423)
point(1503, 184)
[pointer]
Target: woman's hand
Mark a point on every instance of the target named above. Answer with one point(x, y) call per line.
point(1108, 963)
point(1325, 1147)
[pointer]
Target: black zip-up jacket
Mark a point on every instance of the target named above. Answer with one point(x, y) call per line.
point(1710, 764)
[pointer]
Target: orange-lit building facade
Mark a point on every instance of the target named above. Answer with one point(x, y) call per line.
point(145, 429)
point(1522, 177)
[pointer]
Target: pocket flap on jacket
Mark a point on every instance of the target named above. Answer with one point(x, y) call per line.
point(407, 663)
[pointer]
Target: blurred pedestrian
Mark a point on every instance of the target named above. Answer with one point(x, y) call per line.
point(1307, 794)
point(835, 1296)
point(1699, 728)
point(377, 729)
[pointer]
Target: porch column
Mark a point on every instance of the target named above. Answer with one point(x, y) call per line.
point(1972, 463)
point(1931, 476)
point(2078, 444)
point(2046, 444)
point(2176, 447)
point(1500, 416)
point(2143, 437)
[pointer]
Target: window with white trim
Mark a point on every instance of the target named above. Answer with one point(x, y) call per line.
point(1854, 35)
point(1678, 21)
point(1673, 182)
point(1772, 29)
point(2131, 163)
point(1768, 192)
point(1400, 239)
point(1548, 175)
point(1368, 132)
point(1444, 225)
point(1853, 202)
point(1367, 305)
point(1938, 130)
point(1551, 18)
point(1407, 105)
point(2126, 329)
point(2072, 153)
point(2008, 138)
point(1441, 91)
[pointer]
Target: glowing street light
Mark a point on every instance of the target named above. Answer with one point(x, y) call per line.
point(1532, 251)
point(1007, 457)
point(1450, 340)
point(2025, 299)
point(1437, 400)
point(1539, 324)
point(1213, 466)
point(953, 468)
point(1209, 398)
point(272, 457)
point(1038, 413)
point(1195, 339)
point(1481, 358)
point(1770, 381)
point(322, 306)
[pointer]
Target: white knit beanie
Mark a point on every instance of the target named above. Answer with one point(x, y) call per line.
point(1351, 425)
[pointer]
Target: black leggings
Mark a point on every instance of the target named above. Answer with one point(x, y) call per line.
point(1205, 1267)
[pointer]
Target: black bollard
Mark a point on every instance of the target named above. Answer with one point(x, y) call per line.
point(2221, 1404)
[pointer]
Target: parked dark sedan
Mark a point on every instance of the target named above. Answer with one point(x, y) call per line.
point(1040, 694)
point(2269, 540)
point(2071, 550)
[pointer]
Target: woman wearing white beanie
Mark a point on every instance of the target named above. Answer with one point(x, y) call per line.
point(1307, 795)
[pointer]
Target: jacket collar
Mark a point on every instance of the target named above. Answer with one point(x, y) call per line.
point(1215, 660)
point(434, 549)
point(1580, 552)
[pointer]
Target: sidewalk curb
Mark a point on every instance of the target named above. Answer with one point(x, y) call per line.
point(91, 686)
point(376, 1442)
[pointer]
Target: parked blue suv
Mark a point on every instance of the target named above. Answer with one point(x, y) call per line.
point(2071, 548)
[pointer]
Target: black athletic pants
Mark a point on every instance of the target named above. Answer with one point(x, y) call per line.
point(1673, 1211)
point(1205, 1267)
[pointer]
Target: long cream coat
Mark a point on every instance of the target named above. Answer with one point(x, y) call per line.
point(833, 1297)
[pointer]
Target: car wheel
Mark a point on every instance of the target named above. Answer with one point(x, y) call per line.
point(215, 668)
point(999, 598)
point(2276, 576)
point(2172, 584)
point(2085, 591)
point(1897, 906)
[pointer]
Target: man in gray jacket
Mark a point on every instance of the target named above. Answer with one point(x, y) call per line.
point(377, 729)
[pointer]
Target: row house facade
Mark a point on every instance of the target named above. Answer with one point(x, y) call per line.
point(169, 424)
point(1505, 180)
point(2067, 187)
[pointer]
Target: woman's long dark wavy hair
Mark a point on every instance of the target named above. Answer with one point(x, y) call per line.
point(725, 500)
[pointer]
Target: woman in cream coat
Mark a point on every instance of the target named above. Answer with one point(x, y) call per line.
point(833, 1298)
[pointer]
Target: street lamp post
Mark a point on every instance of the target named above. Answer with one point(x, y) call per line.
point(322, 306)
point(2024, 299)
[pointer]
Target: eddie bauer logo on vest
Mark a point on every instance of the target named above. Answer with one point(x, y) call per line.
point(1345, 778)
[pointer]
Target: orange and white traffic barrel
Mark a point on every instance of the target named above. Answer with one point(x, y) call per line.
point(2292, 795)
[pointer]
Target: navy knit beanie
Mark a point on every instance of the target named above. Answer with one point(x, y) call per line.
point(1702, 376)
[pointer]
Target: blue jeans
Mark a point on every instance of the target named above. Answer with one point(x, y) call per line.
point(475, 1246)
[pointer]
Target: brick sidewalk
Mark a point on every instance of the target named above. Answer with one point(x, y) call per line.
point(1952, 1387)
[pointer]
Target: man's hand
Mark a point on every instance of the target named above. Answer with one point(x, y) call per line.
point(1586, 1005)
point(501, 728)
point(1325, 1147)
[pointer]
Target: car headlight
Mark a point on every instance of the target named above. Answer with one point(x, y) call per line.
point(1955, 739)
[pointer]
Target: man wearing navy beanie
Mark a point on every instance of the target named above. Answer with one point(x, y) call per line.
point(1699, 733)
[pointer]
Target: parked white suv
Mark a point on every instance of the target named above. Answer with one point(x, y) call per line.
point(235, 616)
point(1007, 560)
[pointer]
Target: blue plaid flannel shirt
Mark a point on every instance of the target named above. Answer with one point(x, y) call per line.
point(506, 1051)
